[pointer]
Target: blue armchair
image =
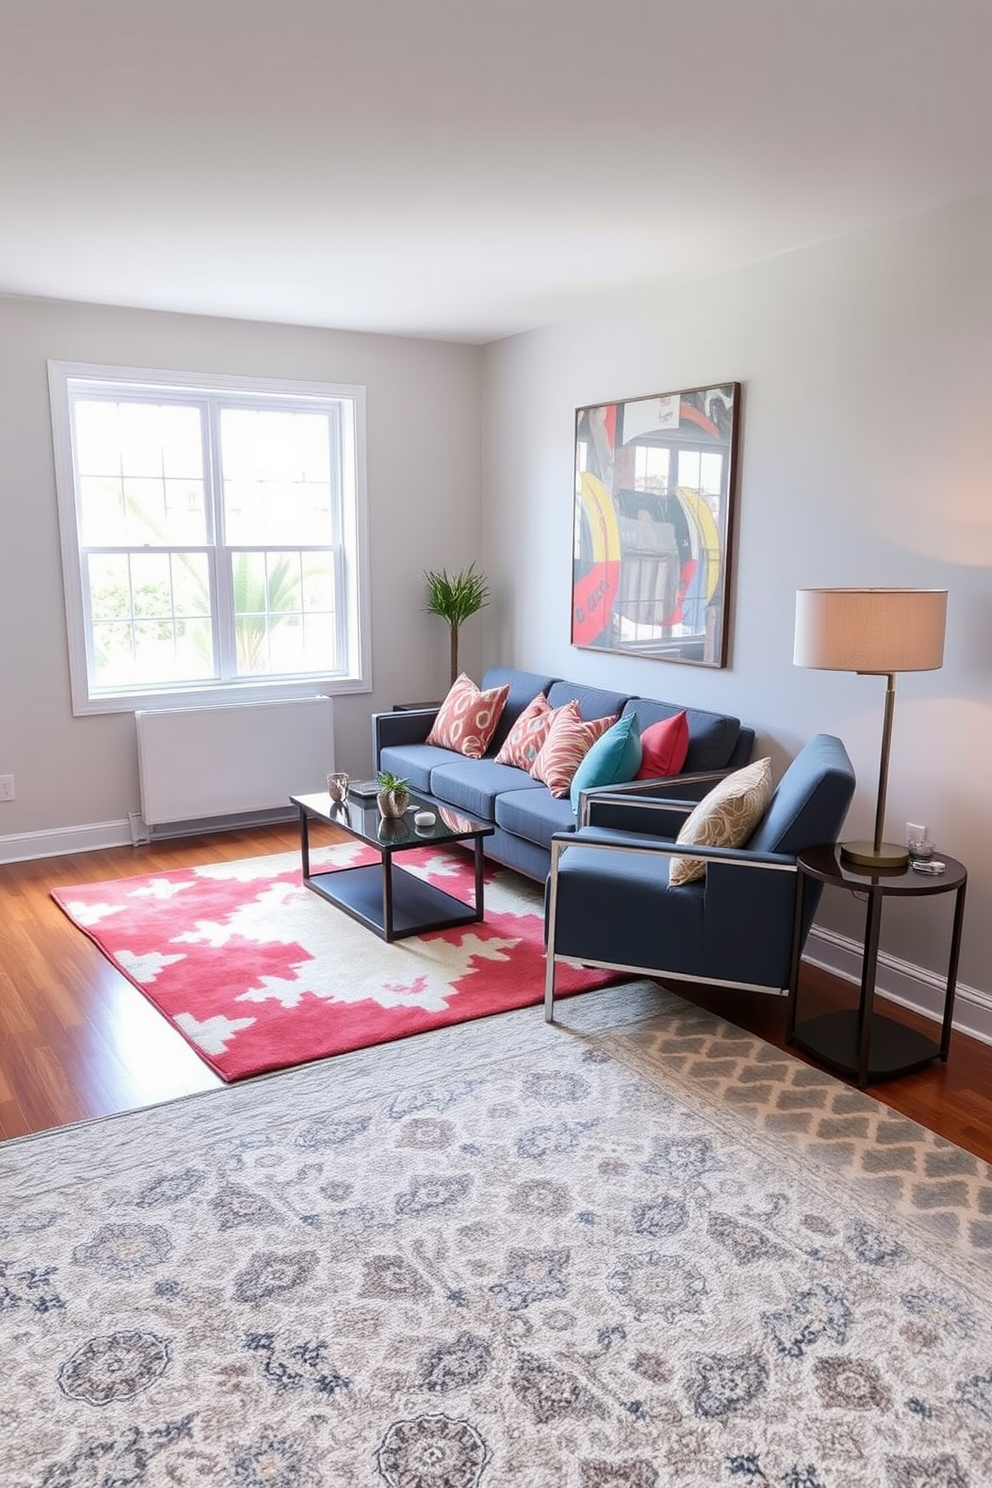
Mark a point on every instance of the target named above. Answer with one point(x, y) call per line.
point(609, 903)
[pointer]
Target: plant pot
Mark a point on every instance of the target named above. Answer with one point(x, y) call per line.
point(392, 803)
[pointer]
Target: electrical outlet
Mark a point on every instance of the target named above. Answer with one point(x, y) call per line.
point(915, 833)
point(6, 787)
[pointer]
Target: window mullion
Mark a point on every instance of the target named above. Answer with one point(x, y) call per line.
point(224, 629)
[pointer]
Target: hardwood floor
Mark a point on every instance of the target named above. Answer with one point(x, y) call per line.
point(77, 1040)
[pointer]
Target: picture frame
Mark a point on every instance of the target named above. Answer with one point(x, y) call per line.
point(653, 526)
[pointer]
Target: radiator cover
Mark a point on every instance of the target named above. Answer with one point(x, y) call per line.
point(198, 763)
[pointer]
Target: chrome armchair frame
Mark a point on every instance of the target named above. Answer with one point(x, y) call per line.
point(562, 841)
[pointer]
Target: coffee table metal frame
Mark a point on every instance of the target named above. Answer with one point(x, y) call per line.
point(392, 905)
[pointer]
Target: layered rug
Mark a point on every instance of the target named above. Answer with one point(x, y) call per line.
point(259, 973)
point(636, 1249)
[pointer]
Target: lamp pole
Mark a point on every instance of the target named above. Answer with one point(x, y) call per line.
point(879, 854)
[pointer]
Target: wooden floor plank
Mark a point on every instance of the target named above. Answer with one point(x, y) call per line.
point(77, 1040)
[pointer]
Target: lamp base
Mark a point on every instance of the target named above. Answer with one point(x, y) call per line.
point(864, 854)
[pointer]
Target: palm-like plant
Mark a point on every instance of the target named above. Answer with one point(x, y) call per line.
point(260, 604)
point(454, 597)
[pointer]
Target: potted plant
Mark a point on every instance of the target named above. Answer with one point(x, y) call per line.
point(454, 597)
point(393, 796)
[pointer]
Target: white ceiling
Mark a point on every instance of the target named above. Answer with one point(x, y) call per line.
point(465, 168)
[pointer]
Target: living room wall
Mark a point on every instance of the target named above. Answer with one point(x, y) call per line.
point(864, 461)
point(76, 778)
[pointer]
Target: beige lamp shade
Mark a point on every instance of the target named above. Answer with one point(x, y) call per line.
point(870, 630)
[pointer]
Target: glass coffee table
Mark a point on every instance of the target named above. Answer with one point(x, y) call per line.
point(392, 904)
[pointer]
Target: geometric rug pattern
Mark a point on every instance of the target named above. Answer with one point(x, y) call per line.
point(633, 1249)
point(257, 972)
point(945, 1189)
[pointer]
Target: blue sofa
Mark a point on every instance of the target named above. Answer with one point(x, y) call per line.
point(524, 812)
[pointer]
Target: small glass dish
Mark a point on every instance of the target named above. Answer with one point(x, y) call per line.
point(920, 849)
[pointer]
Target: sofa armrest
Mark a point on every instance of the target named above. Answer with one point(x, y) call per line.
point(410, 726)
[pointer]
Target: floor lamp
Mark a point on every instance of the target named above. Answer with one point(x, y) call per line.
point(874, 632)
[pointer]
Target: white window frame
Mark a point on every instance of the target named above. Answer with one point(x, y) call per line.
point(357, 677)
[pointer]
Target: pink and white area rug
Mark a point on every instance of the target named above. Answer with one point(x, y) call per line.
point(259, 973)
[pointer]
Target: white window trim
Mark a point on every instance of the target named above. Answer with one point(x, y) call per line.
point(211, 694)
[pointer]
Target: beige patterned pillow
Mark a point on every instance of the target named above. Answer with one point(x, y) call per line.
point(724, 818)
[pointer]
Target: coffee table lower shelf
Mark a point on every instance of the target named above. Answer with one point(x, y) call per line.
point(416, 906)
point(835, 1038)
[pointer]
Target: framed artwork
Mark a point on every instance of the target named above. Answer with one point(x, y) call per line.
point(655, 482)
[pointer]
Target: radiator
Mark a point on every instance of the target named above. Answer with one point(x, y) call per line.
point(196, 764)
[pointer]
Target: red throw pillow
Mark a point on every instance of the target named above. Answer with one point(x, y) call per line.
point(525, 738)
point(467, 719)
point(569, 740)
point(664, 747)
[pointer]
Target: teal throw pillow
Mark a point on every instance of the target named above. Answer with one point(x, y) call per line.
point(614, 758)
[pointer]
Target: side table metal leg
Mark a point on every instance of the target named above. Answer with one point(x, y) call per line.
point(873, 920)
point(952, 973)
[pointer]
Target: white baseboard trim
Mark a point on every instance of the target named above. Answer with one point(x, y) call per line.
point(56, 842)
point(903, 983)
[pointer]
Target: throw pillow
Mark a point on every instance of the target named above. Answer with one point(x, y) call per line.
point(613, 758)
point(527, 735)
point(569, 740)
point(467, 719)
point(724, 818)
point(664, 746)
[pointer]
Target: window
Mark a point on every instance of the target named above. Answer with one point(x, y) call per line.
point(212, 536)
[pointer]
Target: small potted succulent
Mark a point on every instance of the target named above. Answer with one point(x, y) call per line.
point(393, 796)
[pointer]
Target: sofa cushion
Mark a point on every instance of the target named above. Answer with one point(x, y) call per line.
point(522, 743)
point(594, 702)
point(523, 687)
point(725, 817)
point(569, 739)
point(467, 719)
point(664, 746)
point(414, 762)
point(473, 785)
point(712, 736)
point(534, 815)
point(612, 760)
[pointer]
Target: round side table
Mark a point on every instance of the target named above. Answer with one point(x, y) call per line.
point(858, 1042)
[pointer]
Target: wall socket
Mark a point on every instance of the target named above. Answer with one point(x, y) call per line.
point(6, 787)
point(915, 833)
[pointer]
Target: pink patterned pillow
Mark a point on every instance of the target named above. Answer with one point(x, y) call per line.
point(569, 740)
point(525, 738)
point(467, 718)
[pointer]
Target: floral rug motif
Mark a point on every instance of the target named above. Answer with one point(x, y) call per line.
point(259, 973)
point(502, 1254)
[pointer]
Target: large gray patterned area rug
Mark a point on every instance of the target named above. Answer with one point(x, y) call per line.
point(637, 1248)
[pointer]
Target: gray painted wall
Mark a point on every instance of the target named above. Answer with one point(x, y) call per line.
point(865, 460)
point(423, 416)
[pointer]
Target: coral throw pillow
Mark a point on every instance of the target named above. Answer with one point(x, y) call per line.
point(724, 818)
point(467, 719)
point(664, 746)
point(569, 740)
point(525, 738)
